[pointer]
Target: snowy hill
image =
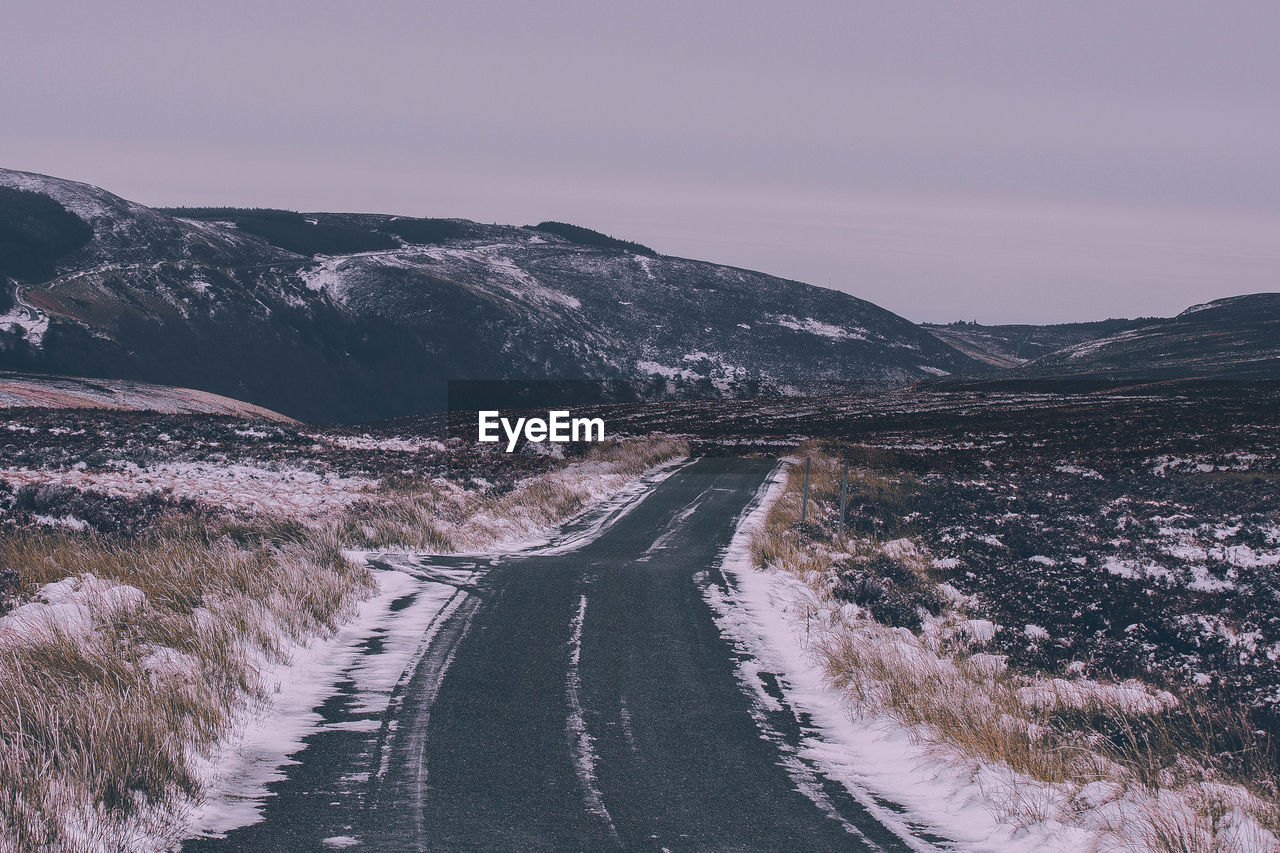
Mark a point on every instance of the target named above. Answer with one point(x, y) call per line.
point(1236, 338)
point(18, 390)
point(207, 301)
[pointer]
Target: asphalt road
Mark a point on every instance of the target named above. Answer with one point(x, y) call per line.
point(582, 701)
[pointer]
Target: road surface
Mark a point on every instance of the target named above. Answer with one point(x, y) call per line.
point(579, 701)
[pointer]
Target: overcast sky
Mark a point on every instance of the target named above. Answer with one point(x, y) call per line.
point(999, 161)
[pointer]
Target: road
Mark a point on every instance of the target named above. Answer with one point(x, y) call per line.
point(577, 701)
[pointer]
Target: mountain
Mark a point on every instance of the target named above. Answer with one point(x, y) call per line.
point(347, 317)
point(68, 392)
point(1017, 344)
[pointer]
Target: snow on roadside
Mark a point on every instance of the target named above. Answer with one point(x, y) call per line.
point(256, 753)
point(610, 495)
point(765, 612)
point(68, 609)
point(235, 777)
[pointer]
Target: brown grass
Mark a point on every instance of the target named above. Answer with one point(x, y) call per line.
point(97, 732)
point(96, 725)
point(1214, 763)
point(425, 517)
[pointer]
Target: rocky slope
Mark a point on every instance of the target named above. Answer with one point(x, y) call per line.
point(204, 303)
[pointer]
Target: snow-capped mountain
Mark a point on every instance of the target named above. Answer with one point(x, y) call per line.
point(376, 325)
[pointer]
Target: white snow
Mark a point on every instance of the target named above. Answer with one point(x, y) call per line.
point(1088, 473)
point(581, 742)
point(293, 492)
point(33, 329)
point(657, 369)
point(367, 442)
point(69, 608)
point(1129, 696)
point(646, 264)
point(816, 327)
point(65, 521)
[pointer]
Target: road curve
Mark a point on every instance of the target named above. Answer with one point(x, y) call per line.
point(579, 701)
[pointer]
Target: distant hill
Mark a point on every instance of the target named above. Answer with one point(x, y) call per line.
point(1228, 340)
point(1014, 345)
point(1235, 338)
point(66, 392)
point(354, 317)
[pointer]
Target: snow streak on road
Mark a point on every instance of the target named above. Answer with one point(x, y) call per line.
point(578, 699)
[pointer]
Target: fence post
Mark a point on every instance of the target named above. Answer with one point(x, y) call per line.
point(804, 503)
point(844, 498)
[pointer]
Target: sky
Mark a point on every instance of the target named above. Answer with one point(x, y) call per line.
point(992, 161)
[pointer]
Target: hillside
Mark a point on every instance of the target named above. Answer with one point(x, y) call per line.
point(19, 390)
point(1016, 344)
point(1230, 340)
point(348, 317)
point(1233, 338)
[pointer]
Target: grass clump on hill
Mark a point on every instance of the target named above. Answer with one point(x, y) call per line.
point(587, 237)
point(36, 230)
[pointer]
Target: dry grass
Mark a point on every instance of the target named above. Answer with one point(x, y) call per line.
point(427, 516)
point(1192, 778)
point(102, 713)
point(100, 722)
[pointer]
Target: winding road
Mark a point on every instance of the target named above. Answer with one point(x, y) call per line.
point(577, 699)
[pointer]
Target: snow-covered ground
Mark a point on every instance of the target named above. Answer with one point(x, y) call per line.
point(282, 490)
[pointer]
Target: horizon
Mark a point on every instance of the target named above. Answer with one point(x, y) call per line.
point(999, 163)
point(952, 321)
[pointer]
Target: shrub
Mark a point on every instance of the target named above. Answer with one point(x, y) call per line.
point(291, 231)
point(36, 230)
point(893, 592)
point(423, 231)
point(587, 237)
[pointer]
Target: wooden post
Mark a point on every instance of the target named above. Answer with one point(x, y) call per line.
point(844, 498)
point(804, 503)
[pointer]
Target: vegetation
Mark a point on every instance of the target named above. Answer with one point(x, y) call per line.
point(100, 714)
point(35, 231)
point(1162, 772)
point(292, 231)
point(424, 232)
point(423, 515)
point(587, 237)
point(131, 646)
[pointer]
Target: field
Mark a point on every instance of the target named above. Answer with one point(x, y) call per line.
point(157, 569)
point(1080, 589)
